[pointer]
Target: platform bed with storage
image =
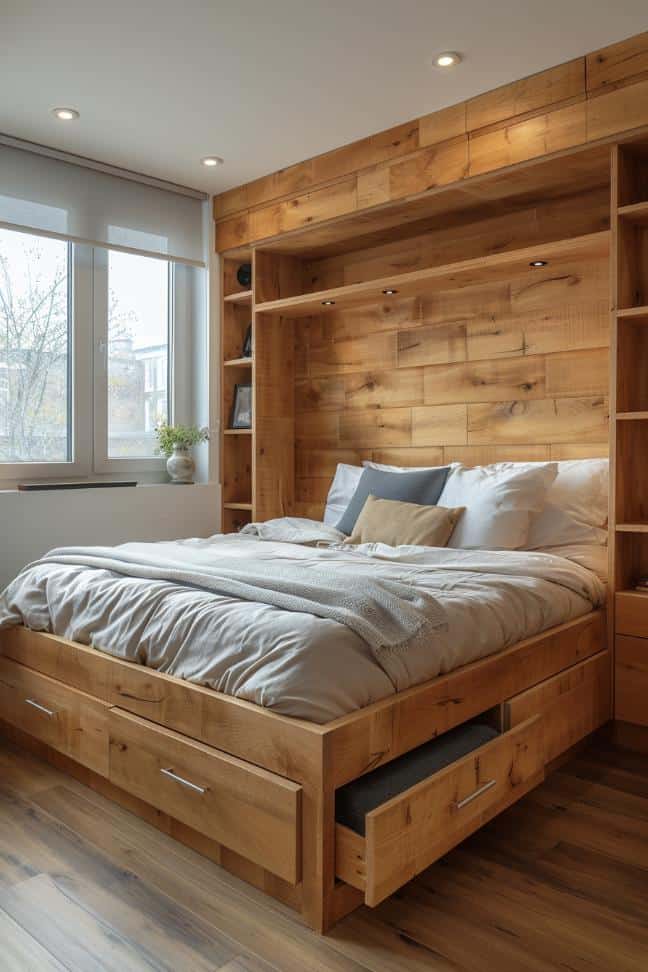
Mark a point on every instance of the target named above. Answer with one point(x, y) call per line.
point(256, 791)
point(466, 319)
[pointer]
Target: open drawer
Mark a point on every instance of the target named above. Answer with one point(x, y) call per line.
point(412, 830)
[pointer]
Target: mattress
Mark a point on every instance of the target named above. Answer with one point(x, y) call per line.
point(293, 662)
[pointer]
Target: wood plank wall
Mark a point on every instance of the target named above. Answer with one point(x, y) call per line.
point(572, 104)
point(514, 369)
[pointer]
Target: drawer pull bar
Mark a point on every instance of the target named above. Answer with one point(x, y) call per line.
point(41, 708)
point(460, 804)
point(181, 779)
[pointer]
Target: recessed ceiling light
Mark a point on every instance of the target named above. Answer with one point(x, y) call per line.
point(389, 291)
point(65, 114)
point(447, 59)
point(328, 303)
point(535, 264)
point(211, 160)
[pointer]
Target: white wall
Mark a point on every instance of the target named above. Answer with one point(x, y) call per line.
point(32, 523)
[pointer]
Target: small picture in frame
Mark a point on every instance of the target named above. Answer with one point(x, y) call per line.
point(247, 343)
point(242, 408)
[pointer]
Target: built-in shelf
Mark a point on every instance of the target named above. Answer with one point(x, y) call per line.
point(632, 527)
point(237, 432)
point(635, 213)
point(629, 313)
point(237, 506)
point(238, 363)
point(632, 416)
point(242, 297)
point(460, 274)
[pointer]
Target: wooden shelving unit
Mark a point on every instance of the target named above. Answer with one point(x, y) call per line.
point(257, 464)
point(629, 428)
point(458, 274)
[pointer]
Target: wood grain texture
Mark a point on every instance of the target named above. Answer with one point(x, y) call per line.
point(631, 680)
point(385, 730)
point(572, 704)
point(412, 830)
point(571, 855)
point(69, 721)
point(567, 106)
point(512, 369)
point(253, 812)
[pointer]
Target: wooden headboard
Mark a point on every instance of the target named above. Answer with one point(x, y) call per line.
point(510, 369)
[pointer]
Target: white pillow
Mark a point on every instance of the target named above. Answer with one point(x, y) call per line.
point(342, 489)
point(577, 506)
point(499, 500)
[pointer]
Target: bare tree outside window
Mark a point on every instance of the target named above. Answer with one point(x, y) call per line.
point(34, 349)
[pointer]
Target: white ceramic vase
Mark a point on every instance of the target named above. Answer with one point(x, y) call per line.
point(180, 466)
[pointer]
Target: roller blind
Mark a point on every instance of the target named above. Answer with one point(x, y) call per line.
point(73, 202)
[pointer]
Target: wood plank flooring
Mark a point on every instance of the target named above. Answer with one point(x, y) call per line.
point(558, 882)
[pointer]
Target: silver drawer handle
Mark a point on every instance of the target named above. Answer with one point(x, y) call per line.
point(181, 779)
point(460, 804)
point(41, 708)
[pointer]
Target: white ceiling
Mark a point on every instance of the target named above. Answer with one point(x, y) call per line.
point(265, 83)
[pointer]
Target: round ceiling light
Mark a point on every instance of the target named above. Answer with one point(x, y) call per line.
point(536, 264)
point(447, 59)
point(212, 160)
point(65, 114)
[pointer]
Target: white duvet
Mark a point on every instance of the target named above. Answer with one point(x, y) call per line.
point(295, 663)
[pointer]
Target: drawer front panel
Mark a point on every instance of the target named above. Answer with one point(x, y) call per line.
point(411, 831)
point(631, 680)
point(69, 721)
point(631, 614)
point(572, 704)
point(248, 809)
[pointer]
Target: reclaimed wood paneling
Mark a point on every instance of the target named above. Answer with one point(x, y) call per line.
point(512, 370)
point(563, 107)
point(529, 94)
point(618, 62)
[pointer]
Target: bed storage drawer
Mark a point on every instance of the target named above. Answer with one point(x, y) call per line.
point(631, 614)
point(248, 809)
point(412, 830)
point(69, 721)
point(631, 680)
point(572, 704)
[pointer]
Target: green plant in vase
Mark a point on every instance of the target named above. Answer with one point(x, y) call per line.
point(175, 442)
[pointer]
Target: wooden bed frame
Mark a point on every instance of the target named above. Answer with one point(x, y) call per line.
point(256, 790)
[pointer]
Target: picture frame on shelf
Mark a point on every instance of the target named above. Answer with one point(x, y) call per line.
point(246, 351)
point(241, 417)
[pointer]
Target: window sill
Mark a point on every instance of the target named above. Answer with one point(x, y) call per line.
point(82, 487)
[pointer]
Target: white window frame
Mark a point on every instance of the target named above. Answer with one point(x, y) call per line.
point(88, 389)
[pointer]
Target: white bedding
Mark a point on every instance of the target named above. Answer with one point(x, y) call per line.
point(292, 662)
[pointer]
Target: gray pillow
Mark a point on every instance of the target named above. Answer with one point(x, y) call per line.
point(423, 486)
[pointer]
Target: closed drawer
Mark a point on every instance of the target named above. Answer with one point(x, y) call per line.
point(631, 614)
point(67, 720)
point(573, 704)
point(415, 828)
point(631, 680)
point(248, 809)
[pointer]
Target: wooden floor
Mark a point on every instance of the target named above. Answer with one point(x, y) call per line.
point(558, 882)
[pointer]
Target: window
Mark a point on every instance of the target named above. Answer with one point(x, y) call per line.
point(86, 357)
point(138, 353)
point(35, 349)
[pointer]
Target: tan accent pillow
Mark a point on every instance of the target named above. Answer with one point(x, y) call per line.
point(395, 523)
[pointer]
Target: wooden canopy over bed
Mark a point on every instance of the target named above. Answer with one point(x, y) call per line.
point(396, 316)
